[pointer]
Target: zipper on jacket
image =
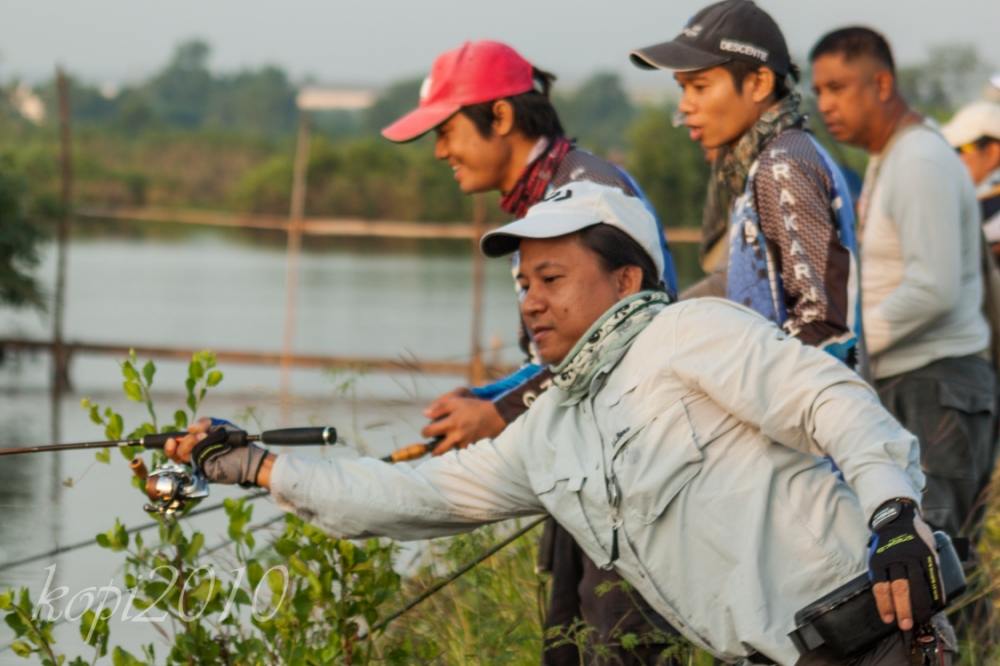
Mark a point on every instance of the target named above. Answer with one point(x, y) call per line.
point(614, 499)
point(611, 489)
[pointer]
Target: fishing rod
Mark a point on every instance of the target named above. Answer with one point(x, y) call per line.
point(87, 543)
point(457, 573)
point(172, 486)
point(138, 467)
point(281, 437)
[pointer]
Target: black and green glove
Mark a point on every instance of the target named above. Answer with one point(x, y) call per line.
point(902, 547)
point(225, 455)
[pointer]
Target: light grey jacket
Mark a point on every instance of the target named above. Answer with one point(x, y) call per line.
point(700, 453)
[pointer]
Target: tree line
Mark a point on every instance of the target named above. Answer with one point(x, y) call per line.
point(188, 136)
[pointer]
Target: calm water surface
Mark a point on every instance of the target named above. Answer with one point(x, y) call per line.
point(207, 292)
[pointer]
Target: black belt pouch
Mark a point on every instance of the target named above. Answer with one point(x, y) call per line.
point(847, 620)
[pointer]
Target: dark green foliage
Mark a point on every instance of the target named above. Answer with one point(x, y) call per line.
point(179, 94)
point(260, 100)
point(670, 167)
point(88, 103)
point(368, 178)
point(672, 171)
point(186, 94)
point(951, 76)
point(394, 101)
point(598, 113)
point(19, 239)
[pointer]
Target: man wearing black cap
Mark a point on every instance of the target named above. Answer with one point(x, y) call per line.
point(775, 192)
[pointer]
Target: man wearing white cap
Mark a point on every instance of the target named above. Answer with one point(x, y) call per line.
point(975, 133)
point(681, 445)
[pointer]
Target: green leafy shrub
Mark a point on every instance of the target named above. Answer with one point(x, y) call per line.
point(302, 597)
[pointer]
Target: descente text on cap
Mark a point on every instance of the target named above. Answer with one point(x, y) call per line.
point(722, 32)
point(473, 73)
point(573, 207)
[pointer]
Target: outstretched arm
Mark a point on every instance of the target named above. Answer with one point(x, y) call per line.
point(362, 497)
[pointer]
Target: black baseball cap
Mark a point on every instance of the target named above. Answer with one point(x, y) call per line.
point(720, 33)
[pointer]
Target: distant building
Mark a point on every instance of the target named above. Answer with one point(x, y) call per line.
point(28, 104)
point(652, 95)
point(334, 99)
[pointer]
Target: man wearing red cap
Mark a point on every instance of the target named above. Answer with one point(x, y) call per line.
point(498, 130)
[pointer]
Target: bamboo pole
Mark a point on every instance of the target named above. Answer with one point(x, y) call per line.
point(296, 214)
point(403, 364)
point(477, 372)
point(315, 226)
point(60, 374)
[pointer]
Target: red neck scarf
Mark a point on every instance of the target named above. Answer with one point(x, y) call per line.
point(530, 187)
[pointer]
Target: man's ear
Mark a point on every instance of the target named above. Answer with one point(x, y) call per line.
point(763, 84)
point(885, 83)
point(503, 117)
point(628, 280)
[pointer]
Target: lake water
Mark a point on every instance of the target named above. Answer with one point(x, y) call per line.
point(218, 293)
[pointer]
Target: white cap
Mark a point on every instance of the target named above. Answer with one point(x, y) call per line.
point(575, 206)
point(974, 121)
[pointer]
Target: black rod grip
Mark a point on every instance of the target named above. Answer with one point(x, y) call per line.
point(157, 440)
point(293, 436)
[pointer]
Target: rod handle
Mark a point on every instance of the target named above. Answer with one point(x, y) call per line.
point(157, 440)
point(300, 436)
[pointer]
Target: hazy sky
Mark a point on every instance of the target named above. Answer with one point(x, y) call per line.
point(376, 41)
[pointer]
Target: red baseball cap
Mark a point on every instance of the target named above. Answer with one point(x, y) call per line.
point(473, 73)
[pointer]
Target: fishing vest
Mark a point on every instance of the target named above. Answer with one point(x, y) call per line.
point(754, 279)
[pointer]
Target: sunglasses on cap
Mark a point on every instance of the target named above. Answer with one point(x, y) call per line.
point(974, 146)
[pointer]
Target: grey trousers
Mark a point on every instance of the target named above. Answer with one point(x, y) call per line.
point(950, 405)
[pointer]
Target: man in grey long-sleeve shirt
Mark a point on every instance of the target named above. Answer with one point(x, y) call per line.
point(922, 285)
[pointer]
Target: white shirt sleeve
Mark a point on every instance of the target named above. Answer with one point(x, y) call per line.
point(446, 495)
point(797, 395)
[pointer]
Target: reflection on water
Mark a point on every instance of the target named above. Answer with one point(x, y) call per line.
point(210, 294)
point(205, 293)
point(24, 481)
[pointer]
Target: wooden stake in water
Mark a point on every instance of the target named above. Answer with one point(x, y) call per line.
point(297, 212)
point(477, 372)
point(60, 377)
